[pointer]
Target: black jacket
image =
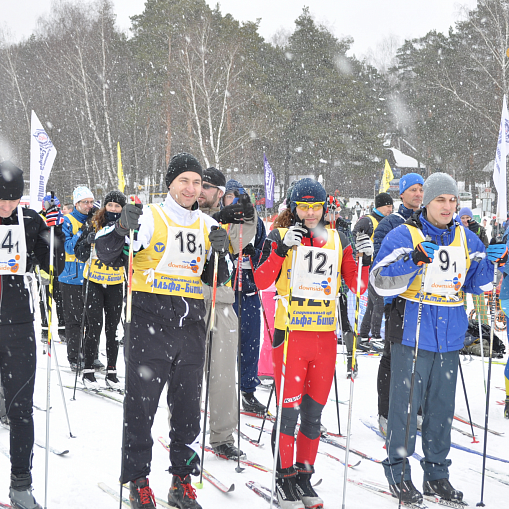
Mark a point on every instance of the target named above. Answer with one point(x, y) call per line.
point(15, 300)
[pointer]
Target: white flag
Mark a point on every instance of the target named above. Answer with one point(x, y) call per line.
point(42, 156)
point(500, 169)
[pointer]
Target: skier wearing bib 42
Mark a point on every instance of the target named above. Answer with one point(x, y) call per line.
point(321, 259)
point(175, 249)
point(22, 232)
point(452, 258)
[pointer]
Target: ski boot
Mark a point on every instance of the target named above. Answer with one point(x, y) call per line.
point(286, 489)
point(442, 488)
point(228, 450)
point(141, 495)
point(89, 380)
point(251, 404)
point(98, 365)
point(382, 425)
point(305, 490)
point(20, 492)
point(506, 409)
point(409, 495)
point(182, 494)
point(112, 381)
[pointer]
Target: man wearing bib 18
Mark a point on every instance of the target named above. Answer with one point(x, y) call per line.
point(174, 249)
point(22, 232)
point(433, 254)
point(311, 354)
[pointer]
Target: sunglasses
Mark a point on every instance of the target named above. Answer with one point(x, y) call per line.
point(209, 186)
point(304, 206)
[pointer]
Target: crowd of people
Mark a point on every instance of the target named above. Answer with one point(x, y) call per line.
point(416, 265)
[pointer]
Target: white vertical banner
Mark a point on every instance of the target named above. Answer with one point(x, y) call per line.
point(42, 156)
point(500, 169)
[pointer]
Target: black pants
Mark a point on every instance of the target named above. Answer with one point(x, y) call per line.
point(383, 384)
point(107, 298)
point(160, 354)
point(17, 370)
point(73, 312)
point(372, 320)
point(59, 303)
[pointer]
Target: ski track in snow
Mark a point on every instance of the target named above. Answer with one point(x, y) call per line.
point(97, 424)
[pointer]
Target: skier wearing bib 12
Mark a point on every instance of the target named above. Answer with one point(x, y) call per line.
point(321, 259)
point(453, 259)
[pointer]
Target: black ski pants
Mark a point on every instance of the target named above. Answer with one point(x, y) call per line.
point(17, 370)
point(372, 320)
point(159, 354)
point(383, 385)
point(101, 299)
point(73, 313)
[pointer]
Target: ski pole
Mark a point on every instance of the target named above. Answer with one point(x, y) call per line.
point(127, 337)
point(282, 383)
point(48, 368)
point(209, 357)
point(481, 340)
point(338, 307)
point(83, 316)
point(412, 383)
point(486, 417)
point(266, 411)
point(474, 441)
point(239, 341)
point(350, 403)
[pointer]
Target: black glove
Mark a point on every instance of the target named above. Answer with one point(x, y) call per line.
point(91, 238)
point(129, 219)
point(92, 211)
point(219, 239)
point(424, 253)
point(473, 226)
point(230, 214)
point(247, 206)
point(249, 250)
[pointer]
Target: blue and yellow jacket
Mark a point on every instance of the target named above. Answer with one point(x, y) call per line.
point(73, 270)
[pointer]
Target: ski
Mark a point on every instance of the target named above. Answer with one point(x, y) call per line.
point(491, 475)
point(331, 441)
point(466, 433)
point(243, 461)
point(504, 474)
point(125, 501)
point(466, 421)
point(100, 394)
point(58, 452)
point(7, 506)
point(339, 401)
point(248, 439)
point(207, 475)
point(263, 492)
point(374, 488)
point(270, 417)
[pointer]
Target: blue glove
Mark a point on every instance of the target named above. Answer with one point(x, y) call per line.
point(424, 253)
point(497, 253)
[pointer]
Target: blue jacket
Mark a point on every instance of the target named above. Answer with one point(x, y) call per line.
point(442, 327)
point(388, 223)
point(73, 270)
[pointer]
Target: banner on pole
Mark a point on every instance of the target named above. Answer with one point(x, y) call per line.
point(500, 168)
point(269, 183)
point(387, 176)
point(42, 156)
point(120, 170)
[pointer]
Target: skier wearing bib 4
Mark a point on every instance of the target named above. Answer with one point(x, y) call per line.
point(434, 246)
point(320, 262)
point(175, 249)
point(22, 232)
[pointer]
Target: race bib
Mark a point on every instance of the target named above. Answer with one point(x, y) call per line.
point(446, 274)
point(13, 251)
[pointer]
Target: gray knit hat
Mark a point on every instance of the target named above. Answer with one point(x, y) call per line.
point(437, 184)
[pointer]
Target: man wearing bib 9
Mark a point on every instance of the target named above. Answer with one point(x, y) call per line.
point(174, 248)
point(22, 232)
point(320, 262)
point(434, 250)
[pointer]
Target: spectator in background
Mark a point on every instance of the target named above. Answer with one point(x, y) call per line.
point(67, 208)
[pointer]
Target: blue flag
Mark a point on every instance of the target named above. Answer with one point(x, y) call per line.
point(269, 183)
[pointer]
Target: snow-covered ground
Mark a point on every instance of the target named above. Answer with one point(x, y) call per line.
point(94, 455)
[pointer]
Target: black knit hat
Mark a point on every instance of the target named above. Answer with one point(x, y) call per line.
point(308, 190)
point(383, 199)
point(181, 163)
point(11, 181)
point(115, 197)
point(215, 177)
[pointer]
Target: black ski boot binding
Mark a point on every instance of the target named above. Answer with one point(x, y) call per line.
point(442, 488)
point(409, 494)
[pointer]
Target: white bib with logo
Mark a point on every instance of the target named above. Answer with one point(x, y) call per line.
point(13, 248)
point(316, 272)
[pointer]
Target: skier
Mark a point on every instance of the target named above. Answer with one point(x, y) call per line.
point(71, 278)
point(22, 231)
point(175, 248)
point(453, 259)
point(372, 320)
point(104, 294)
point(410, 191)
point(466, 215)
point(253, 233)
point(312, 340)
point(222, 391)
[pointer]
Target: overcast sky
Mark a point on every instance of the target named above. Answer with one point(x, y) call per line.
point(367, 21)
